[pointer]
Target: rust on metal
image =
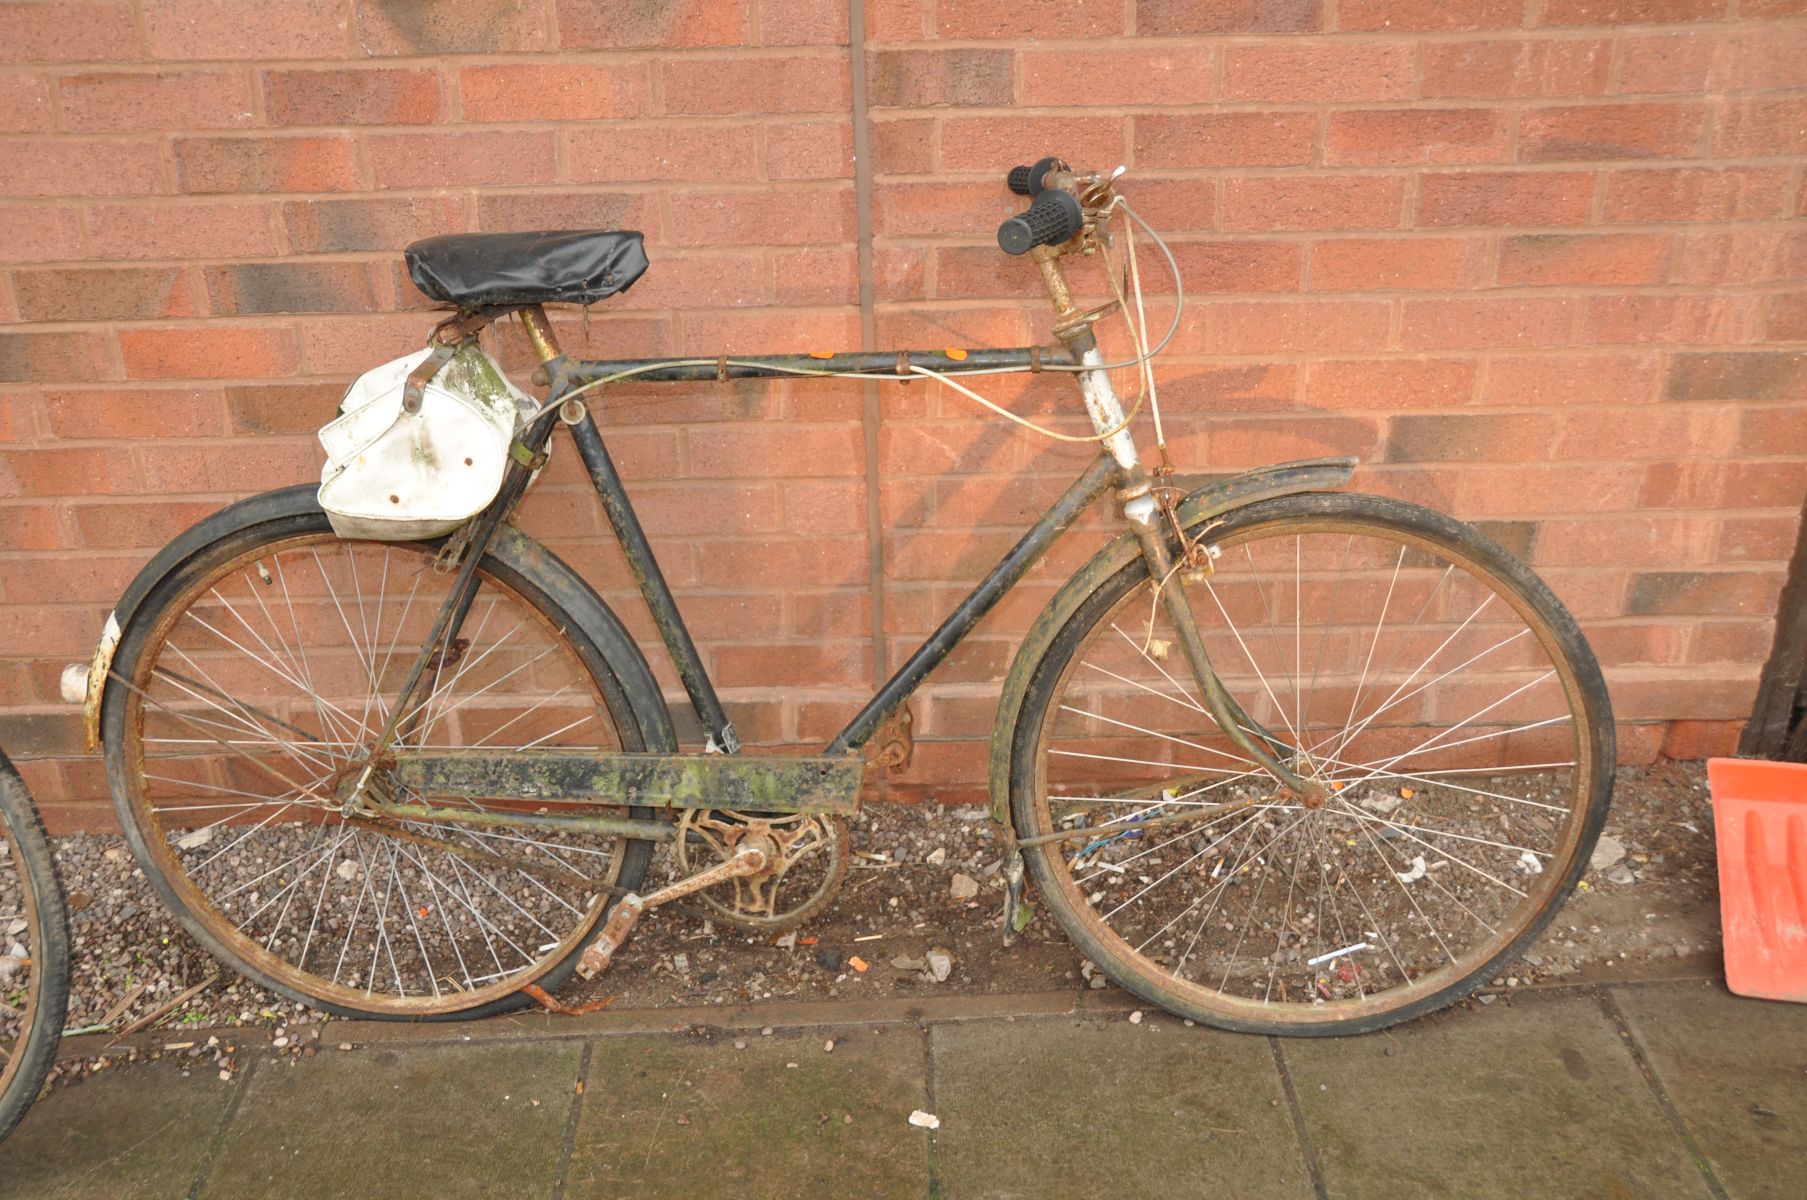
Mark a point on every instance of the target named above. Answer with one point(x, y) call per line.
point(896, 743)
point(748, 860)
point(747, 783)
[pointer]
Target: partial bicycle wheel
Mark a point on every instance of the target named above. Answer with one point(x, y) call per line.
point(1431, 681)
point(255, 681)
point(34, 951)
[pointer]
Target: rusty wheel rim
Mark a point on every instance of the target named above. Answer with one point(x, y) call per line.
point(31, 937)
point(1273, 836)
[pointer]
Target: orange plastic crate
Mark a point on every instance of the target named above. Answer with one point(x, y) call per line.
point(1760, 823)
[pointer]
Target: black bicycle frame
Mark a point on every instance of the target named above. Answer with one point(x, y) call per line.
point(1097, 479)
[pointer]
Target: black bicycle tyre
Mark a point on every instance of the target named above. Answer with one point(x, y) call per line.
point(533, 581)
point(1531, 595)
point(48, 931)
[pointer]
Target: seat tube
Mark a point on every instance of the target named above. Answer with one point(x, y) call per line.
point(540, 334)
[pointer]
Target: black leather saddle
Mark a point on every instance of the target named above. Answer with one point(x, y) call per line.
point(493, 270)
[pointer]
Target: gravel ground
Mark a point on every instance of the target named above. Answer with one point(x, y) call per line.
point(919, 912)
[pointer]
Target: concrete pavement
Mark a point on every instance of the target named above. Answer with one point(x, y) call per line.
point(1637, 1090)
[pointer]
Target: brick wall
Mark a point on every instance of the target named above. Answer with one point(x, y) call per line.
point(1538, 262)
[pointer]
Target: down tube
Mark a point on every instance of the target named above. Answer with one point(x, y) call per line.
point(1098, 479)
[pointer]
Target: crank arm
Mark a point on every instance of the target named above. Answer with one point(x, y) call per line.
point(747, 860)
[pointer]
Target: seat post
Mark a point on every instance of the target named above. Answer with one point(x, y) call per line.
point(539, 333)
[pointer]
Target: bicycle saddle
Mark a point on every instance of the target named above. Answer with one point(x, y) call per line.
point(491, 270)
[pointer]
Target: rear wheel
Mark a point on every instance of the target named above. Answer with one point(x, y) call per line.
point(1432, 682)
point(34, 952)
point(256, 679)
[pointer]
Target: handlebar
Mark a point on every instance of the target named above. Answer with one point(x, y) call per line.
point(1052, 219)
point(1029, 181)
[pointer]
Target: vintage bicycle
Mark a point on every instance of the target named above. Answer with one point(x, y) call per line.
point(1279, 758)
point(34, 951)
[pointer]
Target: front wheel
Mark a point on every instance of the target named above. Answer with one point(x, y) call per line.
point(1431, 681)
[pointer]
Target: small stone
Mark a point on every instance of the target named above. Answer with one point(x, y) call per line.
point(1607, 852)
point(847, 1118)
point(766, 1032)
point(925, 1120)
point(740, 1044)
point(940, 962)
point(344, 1045)
point(1487, 999)
point(937, 856)
point(963, 887)
point(828, 1046)
point(225, 1075)
point(830, 958)
point(280, 1042)
point(1621, 874)
point(790, 1066)
point(1097, 982)
point(1135, 1018)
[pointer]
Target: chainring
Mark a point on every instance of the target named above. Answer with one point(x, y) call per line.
point(806, 853)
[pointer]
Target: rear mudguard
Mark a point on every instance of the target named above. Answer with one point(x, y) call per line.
point(510, 546)
point(1213, 499)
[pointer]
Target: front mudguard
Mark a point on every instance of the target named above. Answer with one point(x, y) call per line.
point(1213, 499)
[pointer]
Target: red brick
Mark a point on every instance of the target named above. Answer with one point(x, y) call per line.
point(896, 21)
point(29, 527)
point(293, 287)
point(1610, 131)
point(1239, 265)
point(24, 104)
point(808, 275)
point(343, 345)
point(790, 563)
point(1163, 74)
point(802, 23)
point(903, 147)
point(156, 101)
point(1485, 322)
point(119, 526)
point(266, 164)
point(1509, 69)
point(812, 150)
point(1635, 319)
point(1273, 327)
point(1772, 431)
point(271, 29)
point(804, 664)
point(1225, 139)
point(911, 208)
point(1584, 260)
point(585, 25)
point(1696, 194)
point(1248, 443)
point(666, 150)
point(1568, 379)
point(29, 357)
point(84, 167)
point(1534, 488)
point(1416, 263)
point(568, 209)
point(1755, 375)
point(1731, 641)
point(1756, 128)
point(462, 159)
point(68, 32)
point(103, 294)
point(1229, 16)
point(756, 84)
point(1627, 12)
point(385, 96)
point(733, 453)
point(1702, 739)
point(566, 92)
point(921, 78)
point(1653, 539)
point(200, 468)
point(1394, 16)
point(210, 230)
point(985, 143)
point(68, 472)
point(1505, 198)
point(1469, 437)
point(215, 350)
point(369, 223)
point(40, 233)
point(1390, 383)
point(693, 281)
point(789, 217)
point(1321, 71)
point(451, 27)
point(1757, 539)
point(1027, 19)
point(1750, 255)
point(261, 408)
point(1417, 135)
point(1723, 485)
point(134, 413)
point(1313, 202)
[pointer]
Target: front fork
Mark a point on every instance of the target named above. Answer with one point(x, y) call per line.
point(1144, 514)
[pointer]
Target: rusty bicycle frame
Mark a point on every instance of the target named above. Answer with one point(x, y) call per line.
point(828, 782)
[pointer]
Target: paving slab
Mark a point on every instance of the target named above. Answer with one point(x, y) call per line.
point(694, 1117)
point(438, 1121)
point(141, 1130)
point(1536, 1096)
point(1053, 1108)
point(1736, 1071)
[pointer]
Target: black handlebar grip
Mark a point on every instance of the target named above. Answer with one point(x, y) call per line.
point(1027, 181)
point(1052, 219)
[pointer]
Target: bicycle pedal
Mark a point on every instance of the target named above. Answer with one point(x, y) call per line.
point(615, 932)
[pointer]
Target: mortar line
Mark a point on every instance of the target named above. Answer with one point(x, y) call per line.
point(582, 1088)
point(1680, 1127)
point(927, 1032)
point(218, 1141)
point(1306, 1151)
point(870, 410)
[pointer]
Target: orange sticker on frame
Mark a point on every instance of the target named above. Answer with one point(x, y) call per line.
point(956, 355)
point(821, 353)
